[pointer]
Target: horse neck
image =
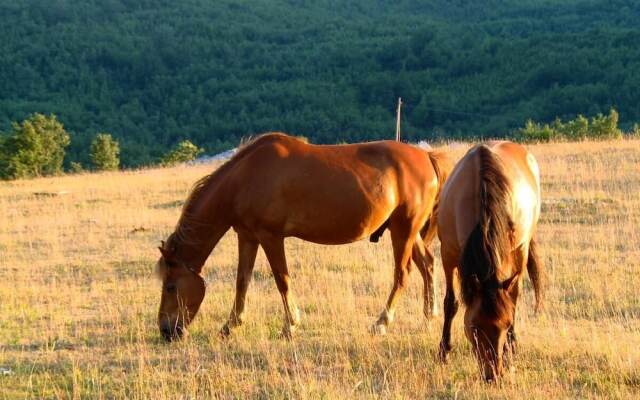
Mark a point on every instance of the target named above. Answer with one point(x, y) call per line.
point(203, 223)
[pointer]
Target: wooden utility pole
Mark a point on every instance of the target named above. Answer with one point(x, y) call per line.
point(398, 120)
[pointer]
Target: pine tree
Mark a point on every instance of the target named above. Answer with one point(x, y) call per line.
point(105, 152)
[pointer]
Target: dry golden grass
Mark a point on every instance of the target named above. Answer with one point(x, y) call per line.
point(78, 299)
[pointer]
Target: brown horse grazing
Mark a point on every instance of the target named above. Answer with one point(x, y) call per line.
point(488, 213)
point(278, 186)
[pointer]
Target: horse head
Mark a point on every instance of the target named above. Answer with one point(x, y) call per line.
point(487, 324)
point(183, 290)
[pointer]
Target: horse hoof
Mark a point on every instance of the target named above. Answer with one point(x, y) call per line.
point(287, 332)
point(443, 355)
point(378, 329)
point(225, 332)
point(430, 312)
point(431, 315)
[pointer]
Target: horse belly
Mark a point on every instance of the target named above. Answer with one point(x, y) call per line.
point(341, 217)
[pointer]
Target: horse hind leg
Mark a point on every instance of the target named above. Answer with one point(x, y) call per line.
point(402, 240)
point(450, 308)
point(424, 260)
point(274, 250)
point(247, 250)
point(536, 274)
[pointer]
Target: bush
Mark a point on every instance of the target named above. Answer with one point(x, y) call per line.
point(535, 132)
point(75, 167)
point(183, 152)
point(575, 129)
point(600, 127)
point(605, 127)
point(105, 153)
point(35, 147)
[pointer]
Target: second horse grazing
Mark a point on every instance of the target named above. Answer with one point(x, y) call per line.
point(278, 186)
point(489, 209)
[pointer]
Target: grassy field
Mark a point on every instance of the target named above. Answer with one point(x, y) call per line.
point(78, 299)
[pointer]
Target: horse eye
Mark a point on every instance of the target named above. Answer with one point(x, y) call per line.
point(170, 287)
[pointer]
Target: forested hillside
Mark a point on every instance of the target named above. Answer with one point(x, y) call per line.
point(152, 73)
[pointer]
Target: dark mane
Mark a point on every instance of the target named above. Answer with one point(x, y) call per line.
point(490, 242)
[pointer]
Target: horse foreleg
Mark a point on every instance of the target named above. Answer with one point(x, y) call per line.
point(247, 250)
point(423, 259)
point(274, 250)
point(521, 259)
point(450, 309)
point(511, 345)
point(512, 342)
point(402, 242)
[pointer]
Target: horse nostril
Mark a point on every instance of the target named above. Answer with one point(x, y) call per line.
point(170, 333)
point(490, 377)
point(166, 333)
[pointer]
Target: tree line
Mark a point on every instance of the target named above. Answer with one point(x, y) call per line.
point(37, 146)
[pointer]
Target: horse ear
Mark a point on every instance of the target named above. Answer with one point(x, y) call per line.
point(166, 254)
point(162, 250)
point(509, 283)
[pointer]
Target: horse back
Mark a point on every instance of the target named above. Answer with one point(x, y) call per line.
point(329, 193)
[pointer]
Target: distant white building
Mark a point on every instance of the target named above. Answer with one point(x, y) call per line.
point(224, 156)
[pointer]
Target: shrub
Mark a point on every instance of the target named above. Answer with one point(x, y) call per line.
point(535, 132)
point(105, 152)
point(75, 167)
point(605, 127)
point(183, 152)
point(575, 129)
point(599, 127)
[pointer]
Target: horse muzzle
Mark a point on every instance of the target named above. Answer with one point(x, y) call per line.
point(171, 332)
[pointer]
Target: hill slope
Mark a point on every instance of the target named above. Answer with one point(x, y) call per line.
point(154, 72)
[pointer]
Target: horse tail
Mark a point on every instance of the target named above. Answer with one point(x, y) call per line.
point(536, 273)
point(490, 242)
point(442, 166)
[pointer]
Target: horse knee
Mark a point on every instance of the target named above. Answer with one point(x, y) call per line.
point(450, 303)
point(402, 282)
